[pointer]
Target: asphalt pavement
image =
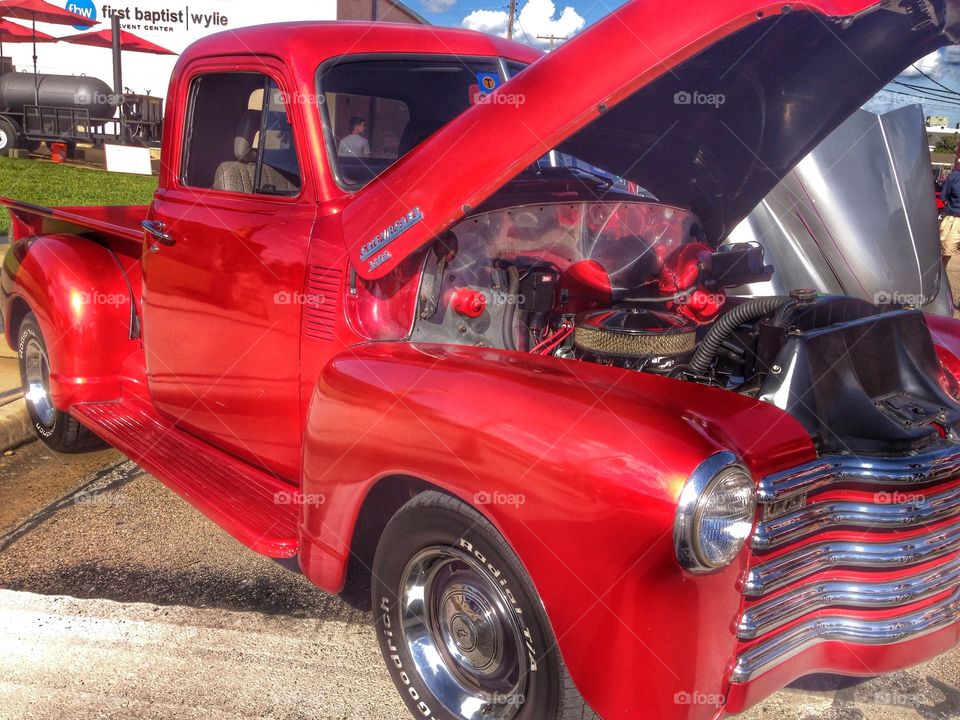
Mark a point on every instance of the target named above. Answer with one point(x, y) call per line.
point(119, 600)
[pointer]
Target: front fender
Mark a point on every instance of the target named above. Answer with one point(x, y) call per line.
point(580, 467)
point(82, 303)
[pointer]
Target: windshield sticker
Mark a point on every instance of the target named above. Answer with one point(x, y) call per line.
point(390, 233)
point(487, 82)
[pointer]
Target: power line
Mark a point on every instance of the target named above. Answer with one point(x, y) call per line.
point(938, 102)
point(930, 92)
point(935, 82)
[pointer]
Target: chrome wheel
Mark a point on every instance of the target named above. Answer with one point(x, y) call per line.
point(463, 635)
point(4, 139)
point(36, 382)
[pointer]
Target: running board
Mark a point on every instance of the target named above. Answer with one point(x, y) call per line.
point(254, 507)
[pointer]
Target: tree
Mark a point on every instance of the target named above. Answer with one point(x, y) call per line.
point(946, 144)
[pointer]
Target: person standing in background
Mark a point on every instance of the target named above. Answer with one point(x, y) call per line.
point(356, 145)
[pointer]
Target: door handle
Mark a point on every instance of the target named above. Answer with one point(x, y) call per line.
point(158, 231)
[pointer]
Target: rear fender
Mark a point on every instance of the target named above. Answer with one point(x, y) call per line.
point(579, 467)
point(83, 305)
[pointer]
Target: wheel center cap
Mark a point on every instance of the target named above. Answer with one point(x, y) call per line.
point(464, 633)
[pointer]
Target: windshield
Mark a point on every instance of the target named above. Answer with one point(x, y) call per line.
point(628, 240)
point(377, 110)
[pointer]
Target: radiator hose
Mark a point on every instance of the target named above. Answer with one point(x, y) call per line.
point(513, 276)
point(752, 309)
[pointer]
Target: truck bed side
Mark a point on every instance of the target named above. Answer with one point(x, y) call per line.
point(116, 226)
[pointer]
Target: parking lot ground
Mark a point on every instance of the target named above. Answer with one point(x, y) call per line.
point(119, 600)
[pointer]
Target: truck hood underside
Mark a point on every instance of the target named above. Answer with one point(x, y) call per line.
point(707, 111)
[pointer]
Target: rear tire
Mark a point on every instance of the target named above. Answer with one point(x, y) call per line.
point(56, 428)
point(460, 626)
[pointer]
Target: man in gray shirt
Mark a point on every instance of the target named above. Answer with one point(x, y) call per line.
point(355, 144)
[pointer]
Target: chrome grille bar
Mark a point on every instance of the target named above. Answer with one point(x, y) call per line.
point(780, 648)
point(900, 516)
point(805, 561)
point(776, 612)
point(918, 469)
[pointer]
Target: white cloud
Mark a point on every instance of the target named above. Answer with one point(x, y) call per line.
point(493, 22)
point(438, 6)
point(536, 18)
point(930, 64)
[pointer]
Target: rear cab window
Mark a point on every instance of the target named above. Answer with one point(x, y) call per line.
point(238, 136)
point(376, 109)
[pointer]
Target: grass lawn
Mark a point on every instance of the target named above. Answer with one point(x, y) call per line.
point(45, 183)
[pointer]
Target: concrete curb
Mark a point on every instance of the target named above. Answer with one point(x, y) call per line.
point(15, 426)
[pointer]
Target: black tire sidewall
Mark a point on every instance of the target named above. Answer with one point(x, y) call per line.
point(30, 329)
point(409, 533)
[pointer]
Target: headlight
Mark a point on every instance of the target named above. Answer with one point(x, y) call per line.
point(715, 514)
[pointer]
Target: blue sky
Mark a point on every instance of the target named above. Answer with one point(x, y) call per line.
point(565, 19)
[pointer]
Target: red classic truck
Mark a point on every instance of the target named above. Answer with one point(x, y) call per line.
point(513, 398)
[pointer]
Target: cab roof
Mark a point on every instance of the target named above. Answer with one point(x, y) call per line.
point(321, 40)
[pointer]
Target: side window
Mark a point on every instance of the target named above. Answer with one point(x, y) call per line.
point(239, 137)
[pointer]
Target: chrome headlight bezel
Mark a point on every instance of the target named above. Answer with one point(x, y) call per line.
point(719, 469)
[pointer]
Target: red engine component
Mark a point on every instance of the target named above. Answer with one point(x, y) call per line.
point(470, 303)
point(681, 272)
point(585, 286)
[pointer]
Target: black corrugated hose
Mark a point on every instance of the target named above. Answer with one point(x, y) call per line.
point(752, 309)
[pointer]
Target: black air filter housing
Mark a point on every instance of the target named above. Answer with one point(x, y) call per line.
point(860, 380)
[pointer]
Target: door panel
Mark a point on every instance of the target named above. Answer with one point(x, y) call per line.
point(222, 315)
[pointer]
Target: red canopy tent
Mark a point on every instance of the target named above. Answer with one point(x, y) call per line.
point(40, 11)
point(13, 33)
point(128, 41)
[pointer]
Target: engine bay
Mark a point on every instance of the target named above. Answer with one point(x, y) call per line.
point(635, 285)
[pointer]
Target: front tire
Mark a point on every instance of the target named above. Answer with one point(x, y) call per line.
point(57, 429)
point(460, 626)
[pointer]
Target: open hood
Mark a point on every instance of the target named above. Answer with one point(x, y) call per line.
point(706, 105)
point(857, 217)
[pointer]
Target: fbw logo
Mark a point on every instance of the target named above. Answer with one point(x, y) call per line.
point(84, 8)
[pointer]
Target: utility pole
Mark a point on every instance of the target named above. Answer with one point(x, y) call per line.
point(510, 16)
point(552, 38)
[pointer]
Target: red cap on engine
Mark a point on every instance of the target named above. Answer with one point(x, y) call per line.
point(470, 303)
